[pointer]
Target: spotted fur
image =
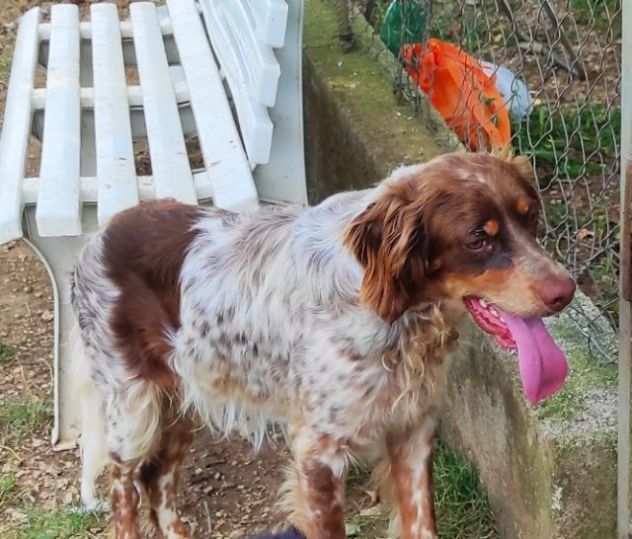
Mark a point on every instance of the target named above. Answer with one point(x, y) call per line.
point(333, 321)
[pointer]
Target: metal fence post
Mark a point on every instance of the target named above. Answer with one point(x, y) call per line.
point(625, 300)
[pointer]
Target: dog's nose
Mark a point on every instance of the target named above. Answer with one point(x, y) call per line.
point(556, 293)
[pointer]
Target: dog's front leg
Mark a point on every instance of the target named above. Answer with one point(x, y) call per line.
point(315, 488)
point(410, 456)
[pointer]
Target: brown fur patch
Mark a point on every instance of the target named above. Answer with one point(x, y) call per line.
point(312, 495)
point(125, 500)
point(144, 248)
point(324, 499)
point(523, 206)
point(175, 441)
point(491, 227)
point(404, 489)
point(383, 238)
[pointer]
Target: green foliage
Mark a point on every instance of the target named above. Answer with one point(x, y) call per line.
point(19, 418)
point(566, 139)
point(58, 525)
point(462, 506)
point(8, 486)
point(7, 353)
point(602, 13)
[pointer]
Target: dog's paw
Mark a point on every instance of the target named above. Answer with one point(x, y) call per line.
point(94, 505)
point(290, 533)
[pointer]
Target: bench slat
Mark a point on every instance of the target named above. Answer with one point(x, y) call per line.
point(85, 29)
point(254, 120)
point(259, 67)
point(260, 63)
point(15, 133)
point(283, 178)
point(58, 206)
point(89, 188)
point(271, 20)
point(170, 165)
point(115, 152)
point(134, 95)
point(224, 157)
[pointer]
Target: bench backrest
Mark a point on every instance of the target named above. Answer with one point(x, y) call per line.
point(239, 92)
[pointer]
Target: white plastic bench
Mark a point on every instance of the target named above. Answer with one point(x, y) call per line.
point(228, 71)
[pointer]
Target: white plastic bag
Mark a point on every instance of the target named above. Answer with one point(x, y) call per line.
point(513, 90)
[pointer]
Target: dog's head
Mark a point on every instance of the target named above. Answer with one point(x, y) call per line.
point(461, 227)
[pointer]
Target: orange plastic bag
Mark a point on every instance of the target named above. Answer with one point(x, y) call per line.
point(462, 92)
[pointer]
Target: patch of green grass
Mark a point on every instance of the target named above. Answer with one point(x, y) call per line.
point(18, 418)
point(7, 353)
point(560, 138)
point(598, 12)
point(8, 486)
point(58, 525)
point(462, 506)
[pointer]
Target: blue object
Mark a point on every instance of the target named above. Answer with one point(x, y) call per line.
point(290, 533)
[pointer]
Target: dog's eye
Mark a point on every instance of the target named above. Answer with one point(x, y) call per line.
point(479, 243)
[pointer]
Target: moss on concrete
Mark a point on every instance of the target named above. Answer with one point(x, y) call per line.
point(584, 489)
point(588, 379)
point(357, 131)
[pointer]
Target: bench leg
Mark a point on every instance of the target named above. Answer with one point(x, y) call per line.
point(59, 255)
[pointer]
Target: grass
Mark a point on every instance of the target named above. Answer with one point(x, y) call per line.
point(599, 13)
point(19, 418)
point(7, 353)
point(560, 138)
point(8, 486)
point(65, 524)
point(461, 504)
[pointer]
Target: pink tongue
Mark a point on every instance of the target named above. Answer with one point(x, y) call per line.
point(543, 366)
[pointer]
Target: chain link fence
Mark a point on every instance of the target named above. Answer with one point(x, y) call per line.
point(554, 95)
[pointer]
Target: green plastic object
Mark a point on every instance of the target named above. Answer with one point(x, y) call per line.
point(404, 22)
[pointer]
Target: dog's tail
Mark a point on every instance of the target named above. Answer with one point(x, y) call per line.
point(92, 408)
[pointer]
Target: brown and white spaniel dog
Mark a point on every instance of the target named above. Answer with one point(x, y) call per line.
point(333, 320)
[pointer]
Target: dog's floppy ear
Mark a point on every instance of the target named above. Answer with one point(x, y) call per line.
point(389, 240)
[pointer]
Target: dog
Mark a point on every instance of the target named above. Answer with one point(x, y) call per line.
point(335, 321)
